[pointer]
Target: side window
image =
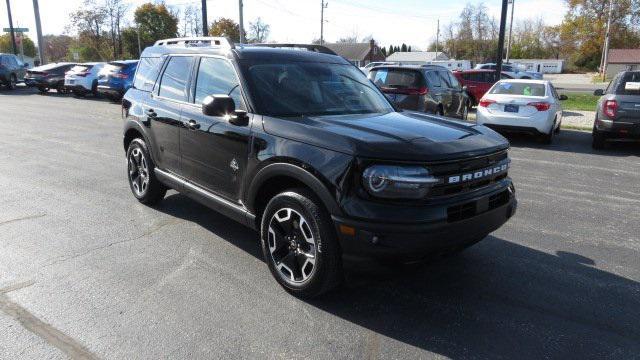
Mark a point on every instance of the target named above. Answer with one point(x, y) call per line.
point(217, 76)
point(434, 79)
point(148, 70)
point(445, 78)
point(173, 84)
point(453, 81)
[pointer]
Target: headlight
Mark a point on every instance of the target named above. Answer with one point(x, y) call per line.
point(398, 182)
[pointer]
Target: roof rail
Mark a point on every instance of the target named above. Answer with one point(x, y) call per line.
point(212, 41)
point(309, 47)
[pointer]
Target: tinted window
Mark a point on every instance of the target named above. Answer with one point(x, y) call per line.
point(396, 78)
point(508, 68)
point(444, 76)
point(524, 89)
point(217, 76)
point(434, 79)
point(629, 84)
point(307, 88)
point(453, 81)
point(147, 73)
point(173, 84)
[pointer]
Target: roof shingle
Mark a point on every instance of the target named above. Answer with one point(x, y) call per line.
point(624, 56)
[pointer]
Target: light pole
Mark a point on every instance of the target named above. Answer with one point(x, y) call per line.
point(36, 11)
point(605, 55)
point(13, 34)
point(205, 23)
point(503, 25)
point(513, 6)
point(323, 6)
point(241, 24)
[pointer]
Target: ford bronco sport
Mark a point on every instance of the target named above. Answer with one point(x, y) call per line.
point(296, 143)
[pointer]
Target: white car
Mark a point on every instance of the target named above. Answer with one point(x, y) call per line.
point(514, 70)
point(83, 78)
point(365, 69)
point(526, 106)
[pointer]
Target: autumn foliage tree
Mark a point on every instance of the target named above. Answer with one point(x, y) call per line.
point(227, 28)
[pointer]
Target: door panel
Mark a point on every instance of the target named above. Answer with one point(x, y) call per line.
point(213, 151)
point(163, 117)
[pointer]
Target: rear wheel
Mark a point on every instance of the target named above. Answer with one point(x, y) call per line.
point(140, 170)
point(300, 245)
point(43, 89)
point(13, 82)
point(548, 138)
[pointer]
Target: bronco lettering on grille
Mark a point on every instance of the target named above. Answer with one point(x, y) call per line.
point(479, 174)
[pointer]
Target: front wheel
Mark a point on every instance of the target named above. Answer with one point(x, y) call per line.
point(13, 82)
point(300, 245)
point(43, 89)
point(140, 170)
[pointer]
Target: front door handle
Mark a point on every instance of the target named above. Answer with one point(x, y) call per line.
point(193, 125)
point(151, 113)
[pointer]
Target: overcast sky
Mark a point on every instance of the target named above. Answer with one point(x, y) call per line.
point(389, 21)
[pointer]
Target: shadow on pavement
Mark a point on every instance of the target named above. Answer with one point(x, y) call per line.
point(575, 141)
point(497, 300)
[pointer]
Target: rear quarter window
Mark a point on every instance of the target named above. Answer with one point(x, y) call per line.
point(397, 78)
point(147, 73)
point(629, 84)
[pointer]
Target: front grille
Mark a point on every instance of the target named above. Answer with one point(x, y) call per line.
point(465, 166)
point(473, 208)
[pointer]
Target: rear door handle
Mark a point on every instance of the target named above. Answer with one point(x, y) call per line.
point(193, 125)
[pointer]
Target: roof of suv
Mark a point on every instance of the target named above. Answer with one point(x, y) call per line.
point(288, 52)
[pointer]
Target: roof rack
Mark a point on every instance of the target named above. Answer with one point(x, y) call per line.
point(309, 47)
point(209, 41)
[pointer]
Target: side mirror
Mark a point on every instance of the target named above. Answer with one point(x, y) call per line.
point(223, 105)
point(218, 105)
point(563, 97)
point(598, 92)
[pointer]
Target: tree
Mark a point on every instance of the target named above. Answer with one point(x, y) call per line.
point(114, 11)
point(89, 22)
point(225, 27)
point(350, 39)
point(191, 21)
point(391, 50)
point(403, 48)
point(56, 47)
point(259, 31)
point(155, 22)
point(28, 46)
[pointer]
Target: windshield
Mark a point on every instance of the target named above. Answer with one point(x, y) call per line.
point(519, 88)
point(304, 88)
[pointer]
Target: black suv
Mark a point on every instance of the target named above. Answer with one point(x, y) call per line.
point(12, 70)
point(295, 142)
point(428, 88)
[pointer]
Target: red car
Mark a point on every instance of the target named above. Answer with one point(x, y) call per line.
point(477, 82)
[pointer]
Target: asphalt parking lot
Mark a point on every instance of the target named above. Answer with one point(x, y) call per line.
point(88, 272)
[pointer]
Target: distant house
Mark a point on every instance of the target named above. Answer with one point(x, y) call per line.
point(622, 60)
point(417, 57)
point(359, 54)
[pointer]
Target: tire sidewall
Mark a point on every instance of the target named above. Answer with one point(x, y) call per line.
point(308, 208)
point(140, 144)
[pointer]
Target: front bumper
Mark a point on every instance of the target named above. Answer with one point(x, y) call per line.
point(108, 90)
point(462, 223)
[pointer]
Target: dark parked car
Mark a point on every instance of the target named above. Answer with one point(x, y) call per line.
point(477, 82)
point(116, 78)
point(12, 70)
point(300, 146)
point(47, 77)
point(432, 89)
point(618, 112)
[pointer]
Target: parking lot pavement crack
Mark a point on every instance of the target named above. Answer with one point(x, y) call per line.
point(28, 217)
point(149, 232)
point(51, 335)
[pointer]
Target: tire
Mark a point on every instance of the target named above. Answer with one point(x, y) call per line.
point(296, 229)
point(62, 90)
point(465, 111)
point(78, 93)
point(43, 89)
point(141, 176)
point(94, 88)
point(598, 139)
point(557, 131)
point(13, 82)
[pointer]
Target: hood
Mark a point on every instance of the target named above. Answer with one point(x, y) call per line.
point(404, 136)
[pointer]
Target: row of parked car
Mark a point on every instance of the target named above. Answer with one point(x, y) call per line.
point(110, 79)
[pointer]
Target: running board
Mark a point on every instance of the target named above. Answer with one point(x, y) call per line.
point(208, 199)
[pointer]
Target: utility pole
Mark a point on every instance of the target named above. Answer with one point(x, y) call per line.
point(503, 26)
point(323, 6)
point(36, 11)
point(605, 54)
point(13, 34)
point(437, 39)
point(205, 23)
point(241, 24)
point(139, 45)
point(513, 6)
